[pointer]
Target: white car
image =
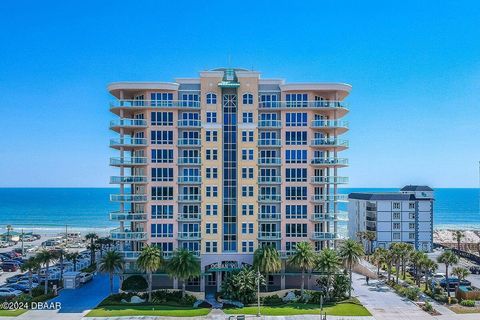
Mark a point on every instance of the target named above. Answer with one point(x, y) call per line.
point(8, 292)
point(3, 244)
point(85, 277)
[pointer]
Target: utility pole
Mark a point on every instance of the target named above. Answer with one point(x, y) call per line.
point(23, 253)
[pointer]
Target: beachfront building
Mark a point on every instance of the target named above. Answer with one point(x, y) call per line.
point(405, 216)
point(224, 163)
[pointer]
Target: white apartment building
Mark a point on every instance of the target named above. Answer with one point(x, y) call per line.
point(405, 216)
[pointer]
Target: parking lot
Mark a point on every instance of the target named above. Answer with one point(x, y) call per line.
point(473, 278)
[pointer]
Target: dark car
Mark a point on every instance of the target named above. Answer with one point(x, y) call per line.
point(453, 283)
point(10, 267)
point(19, 287)
point(14, 279)
point(475, 269)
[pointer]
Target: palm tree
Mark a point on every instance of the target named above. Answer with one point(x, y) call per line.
point(448, 258)
point(461, 274)
point(100, 243)
point(416, 258)
point(428, 266)
point(150, 260)
point(31, 265)
point(111, 263)
point(458, 235)
point(91, 237)
point(303, 258)
point(370, 236)
point(351, 252)
point(396, 251)
point(45, 257)
point(183, 265)
point(267, 260)
point(390, 259)
point(405, 250)
point(60, 255)
point(328, 262)
point(74, 258)
point(379, 258)
point(9, 229)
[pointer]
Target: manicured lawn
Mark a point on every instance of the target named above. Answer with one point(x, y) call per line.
point(464, 310)
point(12, 313)
point(340, 309)
point(146, 310)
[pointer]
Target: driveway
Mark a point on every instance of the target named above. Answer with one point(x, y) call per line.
point(75, 303)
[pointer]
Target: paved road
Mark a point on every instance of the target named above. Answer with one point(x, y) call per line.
point(74, 303)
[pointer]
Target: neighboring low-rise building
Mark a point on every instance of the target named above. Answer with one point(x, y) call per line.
point(405, 216)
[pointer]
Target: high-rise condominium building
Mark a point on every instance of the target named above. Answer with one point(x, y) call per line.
point(405, 216)
point(225, 163)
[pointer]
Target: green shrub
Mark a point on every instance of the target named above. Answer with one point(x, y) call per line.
point(441, 298)
point(412, 293)
point(272, 300)
point(38, 291)
point(134, 283)
point(468, 303)
point(428, 307)
point(453, 300)
point(164, 296)
point(90, 269)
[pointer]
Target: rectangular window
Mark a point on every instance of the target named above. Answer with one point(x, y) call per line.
point(211, 228)
point(161, 137)
point(296, 211)
point(162, 118)
point(411, 205)
point(296, 230)
point(297, 100)
point(296, 138)
point(296, 119)
point(211, 136)
point(162, 193)
point(411, 226)
point(296, 193)
point(212, 209)
point(212, 191)
point(396, 226)
point(396, 236)
point(411, 215)
point(296, 174)
point(247, 154)
point(247, 191)
point(162, 211)
point(396, 205)
point(296, 156)
point(411, 236)
point(247, 136)
point(211, 117)
point(247, 173)
point(162, 174)
point(211, 173)
point(162, 155)
point(212, 154)
point(162, 230)
point(247, 117)
point(161, 99)
point(396, 216)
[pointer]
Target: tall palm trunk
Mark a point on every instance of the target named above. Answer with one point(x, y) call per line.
point(111, 283)
point(303, 280)
point(45, 290)
point(30, 280)
point(183, 288)
point(446, 280)
point(150, 286)
point(266, 282)
point(378, 269)
point(350, 284)
point(397, 270)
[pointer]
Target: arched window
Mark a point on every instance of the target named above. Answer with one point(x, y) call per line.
point(211, 98)
point(248, 98)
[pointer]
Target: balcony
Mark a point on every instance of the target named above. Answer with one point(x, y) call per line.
point(189, 198)
point(269, 161)
point(269, 235)
point(189, 161)
point(269, 124)
point(189, 217)
point(269, 217)
point(127, 216)
point(325, 105)
point(329, 143)
point(287, 254)
point(129, 255)
point(329, 162)
point(190, 123)
point(269, 198)
point(329, 180)
point(269, 143)
point(126, 123)
point(128, 143)
point(338, 126)
point(270, 180)
point(116, 105)
point(324, 236)
point(190, 180)
point(128, 161)
point(128, 235)
point(192, 143)
point(194, 235)
point(329, 197)
point(321, 217)
point(128, 179)
point(128, 197)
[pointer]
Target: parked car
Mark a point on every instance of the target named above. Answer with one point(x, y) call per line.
point(3, 244)
point(25, 278)
point(453, 283)
point(37, 236)
point(9, 292)
point(19, 287)
point(85, 277)
point(26, 283)
point(14, 279)
point(475, 269)
point(10, 267)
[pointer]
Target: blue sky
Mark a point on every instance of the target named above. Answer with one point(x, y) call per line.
point(414, 67)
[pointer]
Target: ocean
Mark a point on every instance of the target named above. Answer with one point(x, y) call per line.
point(87, 208)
